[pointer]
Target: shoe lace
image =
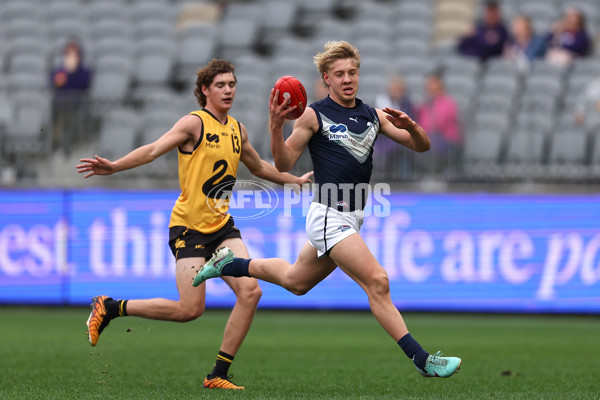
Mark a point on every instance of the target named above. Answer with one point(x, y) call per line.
point(437, 359)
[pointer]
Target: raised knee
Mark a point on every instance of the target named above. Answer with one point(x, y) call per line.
point(189, 314)
point(250, 294)
point(299, 290)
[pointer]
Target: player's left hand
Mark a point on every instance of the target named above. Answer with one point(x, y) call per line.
point(301, 181)
point(398, 118)
point(305, 178)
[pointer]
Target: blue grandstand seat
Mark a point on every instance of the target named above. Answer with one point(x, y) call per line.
point(525, 154)
point(18, 10)
point(32, 63)
point(411, 10)
point(111, 79)
point(482, 152)
point(409, 45)
point(277, 18)
point(64, 9)
point(197, 45)
point(111, 29)
point(373, 11)
point(62, 30)
point(28, 130)
point(19, 81)
point(154, 28)
point(568, 153)
point(154, 62)
point(119, 132)
point(28, 45)
point(141, 10)
point(111, 10)
point(415, 29)
point(19, 28)
point(113, 46)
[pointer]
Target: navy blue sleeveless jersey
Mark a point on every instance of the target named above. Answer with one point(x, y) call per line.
point(342, 153)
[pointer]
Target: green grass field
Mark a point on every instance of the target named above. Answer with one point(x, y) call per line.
point(44, 354)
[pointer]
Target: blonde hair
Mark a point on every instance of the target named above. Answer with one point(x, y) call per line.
point(334, 51)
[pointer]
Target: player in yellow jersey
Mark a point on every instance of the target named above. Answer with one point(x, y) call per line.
point(210, 144)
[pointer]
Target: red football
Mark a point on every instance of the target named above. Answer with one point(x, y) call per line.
point(292, 88)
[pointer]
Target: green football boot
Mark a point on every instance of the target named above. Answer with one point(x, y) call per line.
point(214, 266)
point(440, 367)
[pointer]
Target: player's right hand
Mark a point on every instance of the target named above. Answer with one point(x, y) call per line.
point(279, 111)
point(95, 166)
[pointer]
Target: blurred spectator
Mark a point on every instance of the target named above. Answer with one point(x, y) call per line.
point(439, 116)
point(568, 39)
point(587, 108)
point(395, 97)
point(72, 77)
point(487, 37)
point(70, 81)
point(523, 45)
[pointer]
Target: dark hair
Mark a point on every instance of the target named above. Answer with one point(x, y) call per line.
point(206, 75)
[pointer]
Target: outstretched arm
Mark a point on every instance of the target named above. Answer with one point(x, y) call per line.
point(286, 153)
point(402, 129)
point(263, 169)
point(185, 130)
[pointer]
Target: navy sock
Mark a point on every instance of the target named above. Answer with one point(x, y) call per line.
point(236, 268)
point(413, 350)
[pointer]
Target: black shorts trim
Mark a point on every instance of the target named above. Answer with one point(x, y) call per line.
point(188, 243)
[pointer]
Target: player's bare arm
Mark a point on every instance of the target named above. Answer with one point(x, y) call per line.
point(286, 153)
point(183, 134)
point(399, 127)
point(265, 170)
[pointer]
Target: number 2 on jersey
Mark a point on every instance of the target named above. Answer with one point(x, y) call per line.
point(215, 190)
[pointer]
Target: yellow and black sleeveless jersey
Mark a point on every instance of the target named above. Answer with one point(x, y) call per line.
point(207, 175)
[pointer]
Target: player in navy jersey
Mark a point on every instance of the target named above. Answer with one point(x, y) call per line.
point(340, 132)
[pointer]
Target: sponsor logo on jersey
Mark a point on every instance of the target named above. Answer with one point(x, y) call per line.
point(342, 204)
point(338, 132)
point(212, 137)
point(355, 119)
point(337, 136)
point(212, 141)
point(337, 128)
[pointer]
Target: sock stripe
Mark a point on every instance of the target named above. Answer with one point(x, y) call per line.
point(122, 308)
point(225, 359)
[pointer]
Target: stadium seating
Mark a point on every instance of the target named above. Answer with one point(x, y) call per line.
point(277, 18)
point(197, 44)
point(154, 62)
point(144, 55)
point(112, 78)
point(568, 154)
point(119, 133)
point(27, 134)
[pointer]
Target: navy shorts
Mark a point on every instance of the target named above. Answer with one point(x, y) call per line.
point(188, 243)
